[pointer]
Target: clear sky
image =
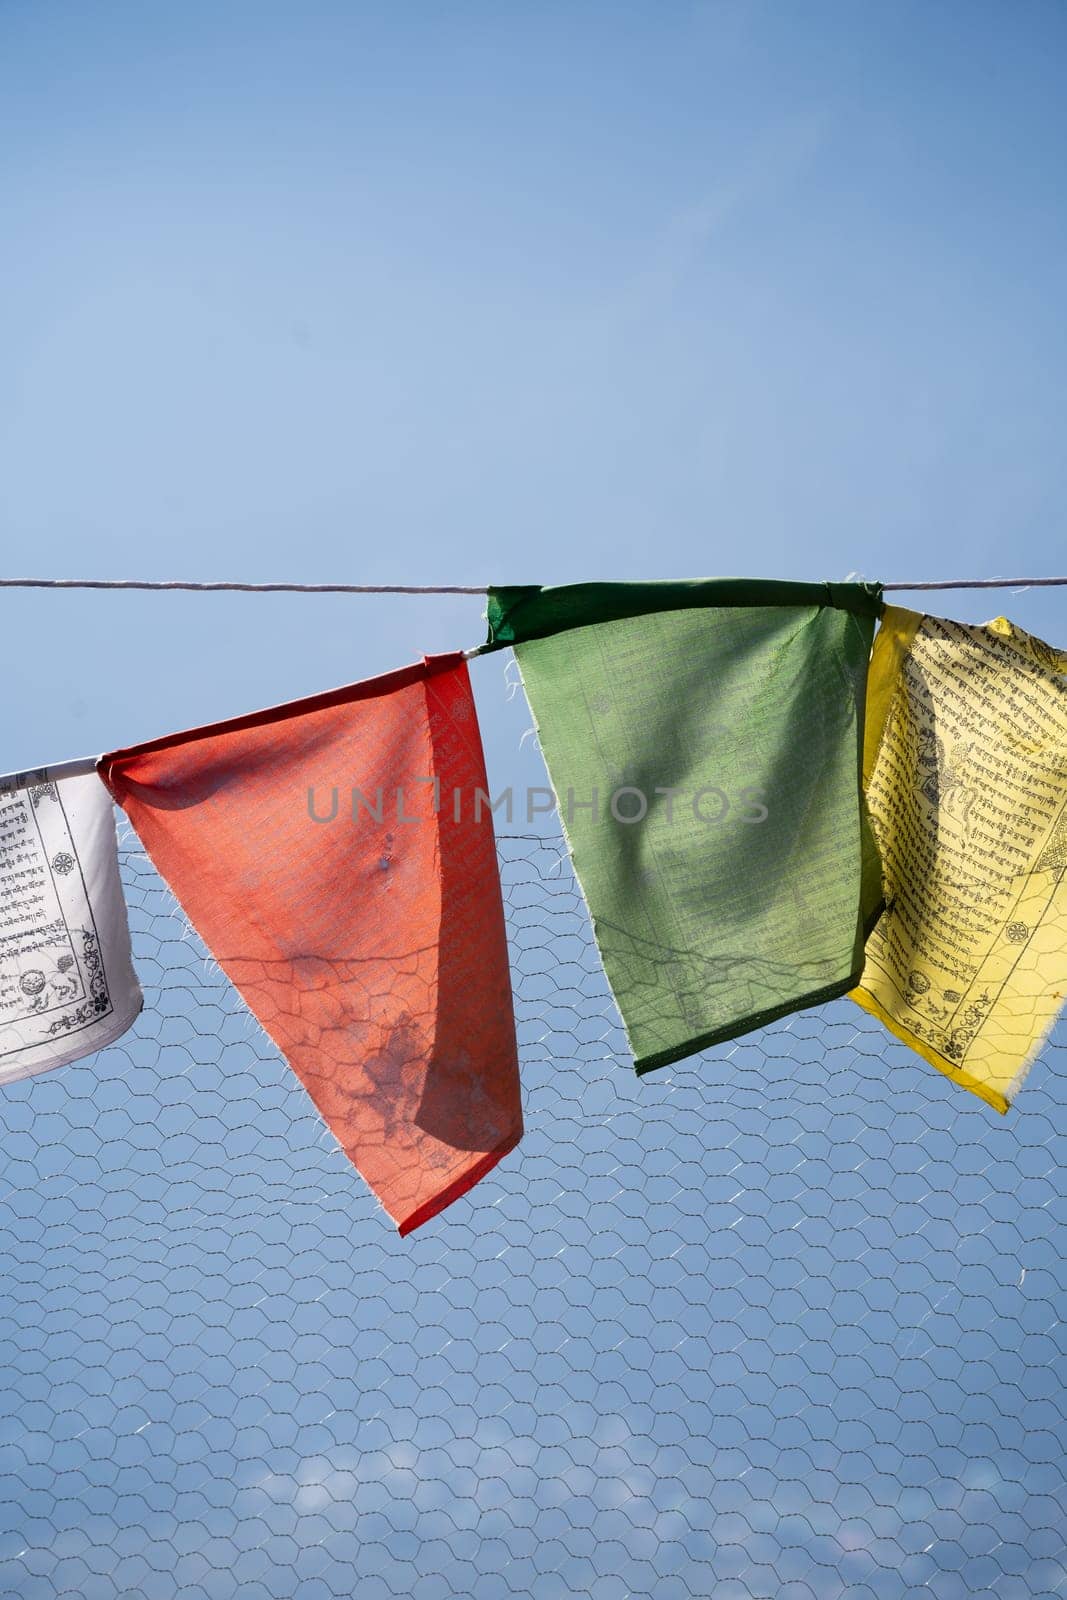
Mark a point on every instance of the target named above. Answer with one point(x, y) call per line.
point(515, 293)
point(518, 293)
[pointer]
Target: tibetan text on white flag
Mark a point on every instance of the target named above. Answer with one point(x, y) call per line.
point(67, 984)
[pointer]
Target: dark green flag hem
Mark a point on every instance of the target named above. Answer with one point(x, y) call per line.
point(751, 1024)
point(531, 611)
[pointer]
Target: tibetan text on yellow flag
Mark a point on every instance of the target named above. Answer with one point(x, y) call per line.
point(965, 770)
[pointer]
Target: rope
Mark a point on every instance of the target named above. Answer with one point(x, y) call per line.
point(407, 588)
point(241, 588)
point(983, 583)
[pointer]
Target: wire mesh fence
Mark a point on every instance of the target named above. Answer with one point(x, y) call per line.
point(784, 1322)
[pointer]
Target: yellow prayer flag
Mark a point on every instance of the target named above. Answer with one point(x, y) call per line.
point(965, 771)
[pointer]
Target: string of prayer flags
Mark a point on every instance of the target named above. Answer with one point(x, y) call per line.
point(965, 768)
point(332, 856)
point(704, 741)
point(67, 984)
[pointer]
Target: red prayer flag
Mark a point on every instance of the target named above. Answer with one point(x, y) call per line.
point(332, 855)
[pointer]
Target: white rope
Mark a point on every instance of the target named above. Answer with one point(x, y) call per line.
point(406, 588)
point(239, 588)
point(982, 583)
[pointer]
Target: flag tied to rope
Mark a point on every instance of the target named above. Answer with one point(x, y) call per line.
point(321, 852)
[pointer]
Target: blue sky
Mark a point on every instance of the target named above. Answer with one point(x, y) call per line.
point(517, 293)
point(481, 293)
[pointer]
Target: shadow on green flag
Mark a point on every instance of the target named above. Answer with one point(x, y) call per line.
point(704, 740)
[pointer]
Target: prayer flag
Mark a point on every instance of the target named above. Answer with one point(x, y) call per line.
point(332, 857)
point(966, 774)
point(67, 984)
point(704, 741)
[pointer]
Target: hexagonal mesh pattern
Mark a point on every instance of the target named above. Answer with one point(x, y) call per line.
point(786, 1323)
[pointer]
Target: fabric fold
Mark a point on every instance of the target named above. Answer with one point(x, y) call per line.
point(966, 780)
point(704, 741)
point(333, 858)
point(67, 984)
point(522, 612)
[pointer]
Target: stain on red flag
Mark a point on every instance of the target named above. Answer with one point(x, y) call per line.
point(331, 856)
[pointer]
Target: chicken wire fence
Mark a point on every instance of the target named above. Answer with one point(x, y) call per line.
point(782, 1322)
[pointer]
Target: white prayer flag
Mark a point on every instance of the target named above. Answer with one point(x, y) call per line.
point(67, 984)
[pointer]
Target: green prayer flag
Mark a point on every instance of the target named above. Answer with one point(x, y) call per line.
point(704, 741)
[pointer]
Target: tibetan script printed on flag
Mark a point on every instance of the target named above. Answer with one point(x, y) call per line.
point(966, 776)
point(67, 985)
